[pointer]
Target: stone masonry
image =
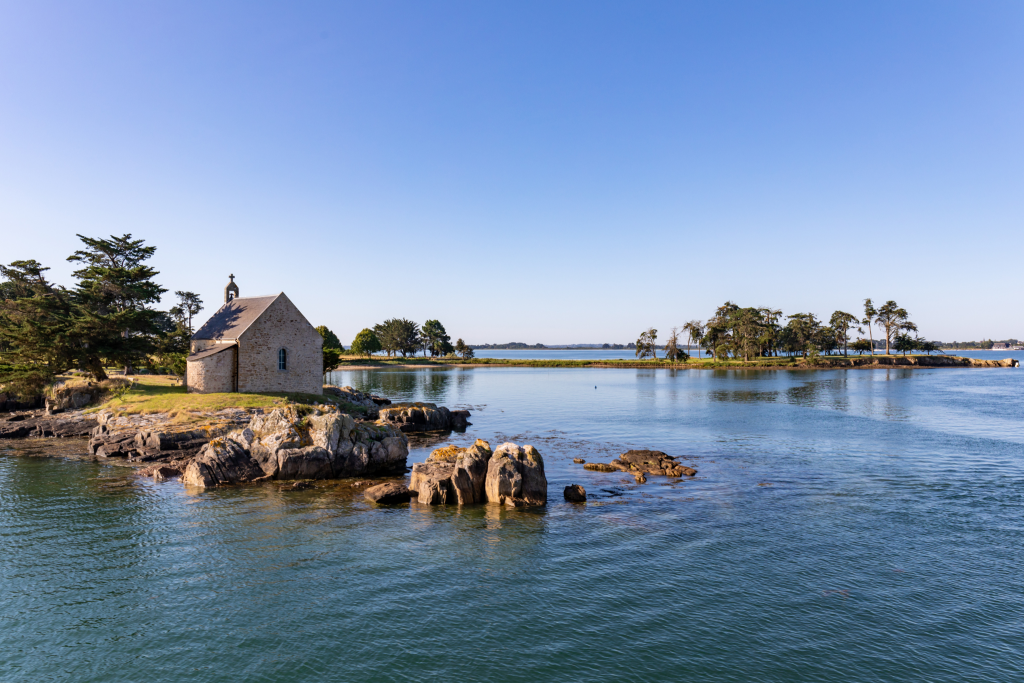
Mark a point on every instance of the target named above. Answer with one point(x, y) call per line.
point(281, 326)
point(253, 332)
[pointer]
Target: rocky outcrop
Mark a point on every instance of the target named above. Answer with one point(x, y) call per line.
point(222, 461)
point(452, 475)
point(575, 494)
point(515, 476)
point(641, 462)
point(37, 424)
point(388, 494)
point(299, 442)
point(512, 475)
point(369, 402)
point(424, 417)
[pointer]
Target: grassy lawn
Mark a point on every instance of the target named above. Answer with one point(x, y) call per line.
point(160, 394)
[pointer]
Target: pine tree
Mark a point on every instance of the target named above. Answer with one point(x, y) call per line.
point(112, 298)
point(36, 338)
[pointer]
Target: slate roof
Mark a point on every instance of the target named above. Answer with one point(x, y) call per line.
point(209, 352)
point(234, 317)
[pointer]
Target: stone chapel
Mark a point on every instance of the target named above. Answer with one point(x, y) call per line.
point(255, 344)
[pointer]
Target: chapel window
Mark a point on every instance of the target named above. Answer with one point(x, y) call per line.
point(282, 360)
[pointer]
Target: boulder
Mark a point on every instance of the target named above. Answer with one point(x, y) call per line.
point(432, 482)
point(423, 417)
point(222, 461)
point(164, 472)
point(321, 443)
point(388, 494)
point(515, 476)
point(600, 467)
point(470, 475)
point(578, 461)
point(311, 462)
point(575, 494)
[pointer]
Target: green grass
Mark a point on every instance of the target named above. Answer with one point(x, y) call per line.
point(160, 394)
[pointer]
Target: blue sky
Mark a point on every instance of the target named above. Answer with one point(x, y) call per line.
point(554, 172)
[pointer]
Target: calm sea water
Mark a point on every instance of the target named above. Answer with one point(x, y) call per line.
point(627, 354)
point(860, 525)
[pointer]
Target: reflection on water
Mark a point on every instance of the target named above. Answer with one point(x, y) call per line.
point(844, 525)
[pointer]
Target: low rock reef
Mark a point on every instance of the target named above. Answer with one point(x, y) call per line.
point(512, 476)
point(424, 417)
point(29, 424)
point(640, 463)
point(296, 442)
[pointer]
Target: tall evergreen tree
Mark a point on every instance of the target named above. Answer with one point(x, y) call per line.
point(112, 298)
point(36, 329)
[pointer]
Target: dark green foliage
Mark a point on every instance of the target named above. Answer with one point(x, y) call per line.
point(398, 335)
point(189, 305)
point(332, 348)
point(861, 346)
point(37, 341)
point(904, 343)
point(435, 339)
point(463, 350)
point(645, 344)
point(672, 350)
point(330, 339)
point(112, 298)
point(894, 320)
point(366, 343)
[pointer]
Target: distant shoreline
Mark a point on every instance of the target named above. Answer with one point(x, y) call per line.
point(787, 363)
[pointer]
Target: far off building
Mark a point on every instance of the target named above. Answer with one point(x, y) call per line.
point(256, 344)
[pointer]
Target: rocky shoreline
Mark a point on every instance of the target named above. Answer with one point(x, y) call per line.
point(237, 445)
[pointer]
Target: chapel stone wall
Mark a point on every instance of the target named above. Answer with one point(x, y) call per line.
point(281, 326)
point(213, 374)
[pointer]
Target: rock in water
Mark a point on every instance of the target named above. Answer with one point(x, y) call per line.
point(512, 475)
point(515, 476)
point(575, 494)
point(578, 461)
point(432, 482)
point(388, 494)
point(470, 475)
point(222, 461)
point(452, 475)
point(424, 417)
point(641, 462)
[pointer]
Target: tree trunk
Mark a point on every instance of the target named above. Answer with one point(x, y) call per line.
point(871, 337)
point(95, 367)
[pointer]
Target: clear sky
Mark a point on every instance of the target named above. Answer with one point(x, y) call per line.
point(554, 172)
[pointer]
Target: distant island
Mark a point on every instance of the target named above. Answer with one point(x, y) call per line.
point(521, 345)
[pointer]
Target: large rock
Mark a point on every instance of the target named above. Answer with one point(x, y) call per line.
point(575, 493)
point(470, 475)
point(388, 494)
point(222, 461)
point(321, 443)
point(424, 417)
point(515, 476)
point(432, 482)
point(452, 475)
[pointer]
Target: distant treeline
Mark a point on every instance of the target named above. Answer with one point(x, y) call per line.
point(984, 344)
point(510, 345)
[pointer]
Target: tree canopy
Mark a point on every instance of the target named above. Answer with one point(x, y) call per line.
point(366, 343)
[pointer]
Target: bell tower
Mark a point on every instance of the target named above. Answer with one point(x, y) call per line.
point(231, 291)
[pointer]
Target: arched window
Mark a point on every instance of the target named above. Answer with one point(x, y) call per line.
point(282, 359)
